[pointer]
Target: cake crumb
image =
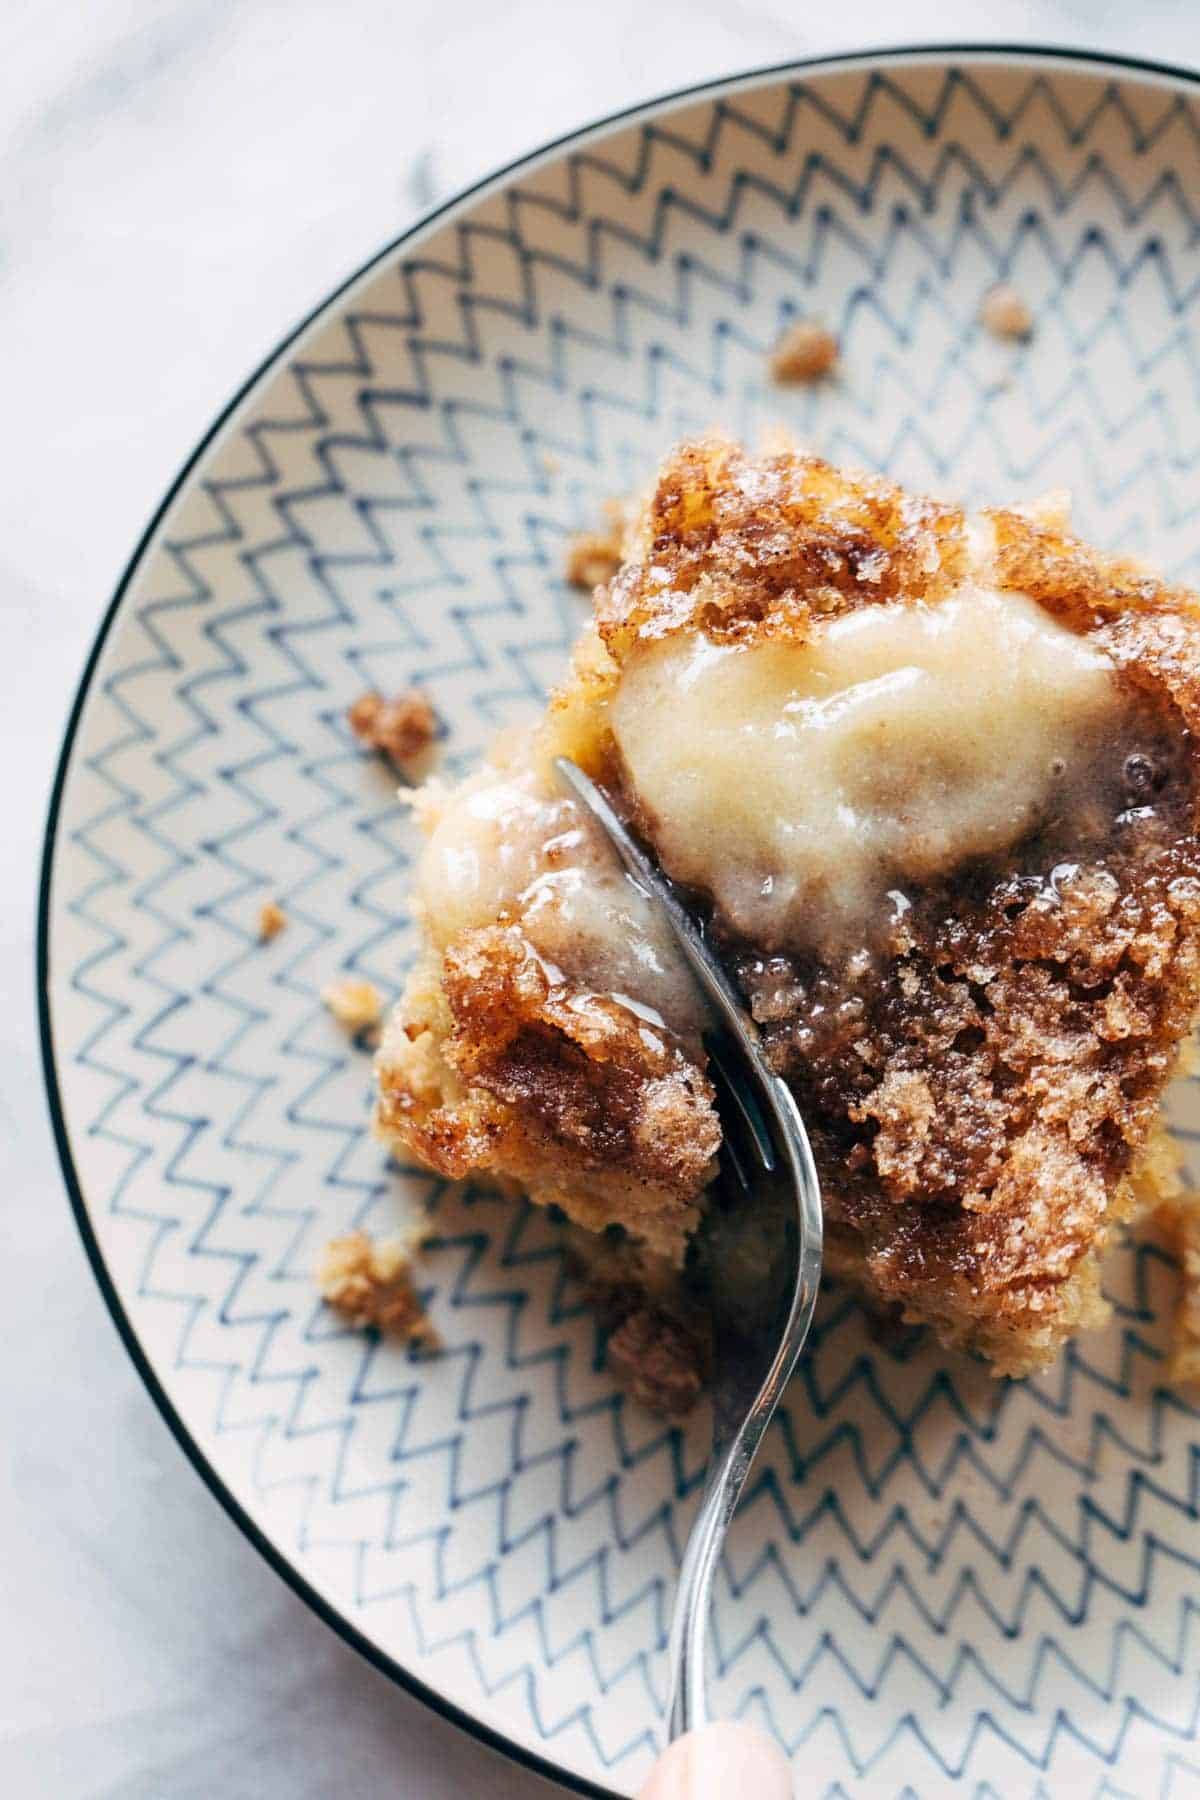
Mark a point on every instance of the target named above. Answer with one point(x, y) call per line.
point(401, 728)
point(805, 352)
point(355, 1004)
point(370, 1284)
point(1006, 314)
point(778, 439)
point(1180, 1217)
point(591, 560)
point(1051, 510)
point(657, 1362)
point(271, 921)
point(593, 557)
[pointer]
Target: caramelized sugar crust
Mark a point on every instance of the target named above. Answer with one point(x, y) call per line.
point(492, 1068)
point(981, 1081)
point(980, 1099)
point(743, 548)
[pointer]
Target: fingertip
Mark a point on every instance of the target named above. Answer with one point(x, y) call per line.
point(721, 1761)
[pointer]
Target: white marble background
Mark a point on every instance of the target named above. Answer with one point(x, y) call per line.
point(179, 181)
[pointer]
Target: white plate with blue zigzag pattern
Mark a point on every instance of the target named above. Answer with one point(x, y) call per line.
point(938, 1584)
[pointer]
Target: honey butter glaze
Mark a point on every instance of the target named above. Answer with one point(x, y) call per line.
point(807, 787)
point(802, 783)
point(509, 846)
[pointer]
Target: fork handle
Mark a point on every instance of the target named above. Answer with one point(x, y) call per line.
point(687, 1707)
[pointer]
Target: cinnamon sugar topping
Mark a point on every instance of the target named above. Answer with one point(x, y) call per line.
point(981, 1071)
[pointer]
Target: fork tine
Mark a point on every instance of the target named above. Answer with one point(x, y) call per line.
point(732, 1083)
point(714, 982)
point(734, 1135)
point(737, 1139)
point(737, 1168)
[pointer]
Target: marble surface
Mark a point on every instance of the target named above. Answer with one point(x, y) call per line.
point(180, 182)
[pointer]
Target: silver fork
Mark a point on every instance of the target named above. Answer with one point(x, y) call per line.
point(755, 1353)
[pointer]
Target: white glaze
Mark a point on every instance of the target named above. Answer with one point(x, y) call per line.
point(506, 845)
point(796, 783)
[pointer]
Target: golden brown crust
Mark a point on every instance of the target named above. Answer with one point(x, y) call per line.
point(1017, 1341)
point(745, 548)
point(497, 1069)
point(977, 1109)
point(1068, 577)
point(600, 1081)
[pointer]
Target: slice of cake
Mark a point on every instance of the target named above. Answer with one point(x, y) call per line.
point(934, 779)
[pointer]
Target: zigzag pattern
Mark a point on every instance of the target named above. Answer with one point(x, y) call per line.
point(937, 1584)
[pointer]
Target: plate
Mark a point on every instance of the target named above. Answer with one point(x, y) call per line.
point(937, 1583)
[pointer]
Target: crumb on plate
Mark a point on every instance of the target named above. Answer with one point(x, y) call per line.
point(271, 921)
point(805, 352)
point(370, 1284)
point(1006, 314)
point(353, 1003)
point(657, 1362)
point(591, 560)
point(401, 728)
point(593, 557)
point(1180, 1216)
